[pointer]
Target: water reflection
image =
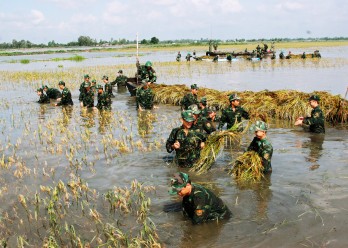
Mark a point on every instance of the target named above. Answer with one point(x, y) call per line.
point(88, 115)
point(315, 146)
point(105, 117)
point(67, 114)
point(42, 111)
point(146, 120)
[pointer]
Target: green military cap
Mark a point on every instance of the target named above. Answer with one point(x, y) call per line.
point(120, 71)
point(178, 182)
point(39, 89)
point(45, 87)
point(86, 76)
point(203, 100)
point(194, 108)
point(187, 115)
point(105, 77)
point(61, 83)
point(87, 84)
point(194, 86)
point(314, 97)
point(260, 126)
point(94, 81)
point(99, 86)
point(211, 110)
point(234, 97)
point(148, 64)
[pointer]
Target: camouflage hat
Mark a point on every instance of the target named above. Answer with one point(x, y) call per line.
point(314, 97)
point(39, 89)
point(148, 64)
point(194, 108)
point(99, 86)
point(233, 97)
point(178, 182)
point(88, 84)
point(187, 115)
point(61, 83)
point(120, 71)
point(211, 110)
point(86, 76)
point(203, 100)
point(260, 126)
point(94, 81)
point(44, 87)
point(194, 86)
point(105, 77)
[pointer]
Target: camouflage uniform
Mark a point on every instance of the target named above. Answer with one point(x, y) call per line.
point(188, 100)
point(104, 101)
point(88, 99)
point(144, 98)
point(211, 206)
point(264, 149)
point(203, 125)
point(315, 121)
point(189, 150)
point(108, 89)
point(53, 93)
point(43, 98)
point(145, 74)
point(66, 98)
point(82, 91)
point(232, 117)
point(120, 81)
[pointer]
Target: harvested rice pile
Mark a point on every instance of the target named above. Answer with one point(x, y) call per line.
point(281, 104)
point(247, 167)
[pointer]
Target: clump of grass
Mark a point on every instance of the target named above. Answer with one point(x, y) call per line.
point(247, 167)
point(76, 58)
point(25, 61)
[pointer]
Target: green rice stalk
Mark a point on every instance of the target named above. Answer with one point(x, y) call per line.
point(247, 167)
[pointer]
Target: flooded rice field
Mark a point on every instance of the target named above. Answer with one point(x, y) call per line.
point(303, 203)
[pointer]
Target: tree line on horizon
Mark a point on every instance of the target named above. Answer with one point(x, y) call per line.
point(88, 41)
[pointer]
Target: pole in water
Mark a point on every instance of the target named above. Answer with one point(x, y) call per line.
point(137, 55)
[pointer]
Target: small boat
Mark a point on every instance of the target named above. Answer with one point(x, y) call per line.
point(132, 85)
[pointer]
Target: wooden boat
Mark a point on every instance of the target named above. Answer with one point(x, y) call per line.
point(132, 84)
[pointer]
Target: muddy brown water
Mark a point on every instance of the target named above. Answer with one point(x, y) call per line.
point(303, 203)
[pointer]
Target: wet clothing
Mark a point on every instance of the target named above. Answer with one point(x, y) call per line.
point(146, 74)
point(88, 99)
point(104, 101)
point(189, 150)
point(108, 89)
point(315, 121)
point(82, 91)
point(178, 57)
point(204, 126)
point(44, 99)
point(264, 149)
point(203, 205)
point(120, 81)
point(66, 98)
point(144, 98)
point(204, 112)
point(188, 57)
point(232, 117)
point(53, 93)
point(188, 100)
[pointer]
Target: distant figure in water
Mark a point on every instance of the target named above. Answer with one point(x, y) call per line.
point(43, 98)
point(178, 57)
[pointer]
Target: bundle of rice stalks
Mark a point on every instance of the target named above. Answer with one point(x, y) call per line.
point(247, 167)
point(169, 94)
point(213, 146)
point(292, 109)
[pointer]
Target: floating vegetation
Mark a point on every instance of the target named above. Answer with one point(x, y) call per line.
point(247, 167)
point(76, 58)
point(213, 146)
point(25, 61)
point(281, 104)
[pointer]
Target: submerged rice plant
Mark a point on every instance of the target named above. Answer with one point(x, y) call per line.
point(247, 167)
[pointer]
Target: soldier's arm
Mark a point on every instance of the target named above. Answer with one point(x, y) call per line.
point(223, 120)
point(171, 140)
point(266, 156)
point(245, 114)
point(202, 208)
point(316, 118)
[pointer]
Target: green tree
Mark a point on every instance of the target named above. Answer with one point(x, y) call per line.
point(85, 41)
point(143, 41)
point(154, 40)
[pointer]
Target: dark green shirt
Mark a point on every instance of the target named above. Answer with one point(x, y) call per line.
point(188, 100)
point(120, 81)
point(232, 117)
point(82, 91)
point(104, 101)
point(148, 75)
point(53, 93)
point(315, 121)
point(44, 99)
point(66, 98)
point(189, 150)
point(108, 89)
point(88, 99)
point(144, 98)
point(209, 206)
point(264, 149)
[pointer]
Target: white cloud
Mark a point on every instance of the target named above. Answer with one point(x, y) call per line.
point(37, 16)
point(290, 6)
point(230, 6)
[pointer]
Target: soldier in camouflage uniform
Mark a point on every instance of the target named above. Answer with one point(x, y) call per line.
point(203, 106)
point(186, 142)
point(200, 124)
point(120, 80)
point(198, 203)
point(88, 97)
point(233, 114)
point(66, 96)
point(190, 98)
point(94, 86)
point(262, 146)
point(145, 72)
point(83, 89)
point(144, 97)
point(43, 98)
point(52, 93)
point(316, 121)
point(104, 100)
point(108, 86)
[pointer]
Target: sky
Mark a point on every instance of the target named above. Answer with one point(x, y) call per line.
point(41, 21)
